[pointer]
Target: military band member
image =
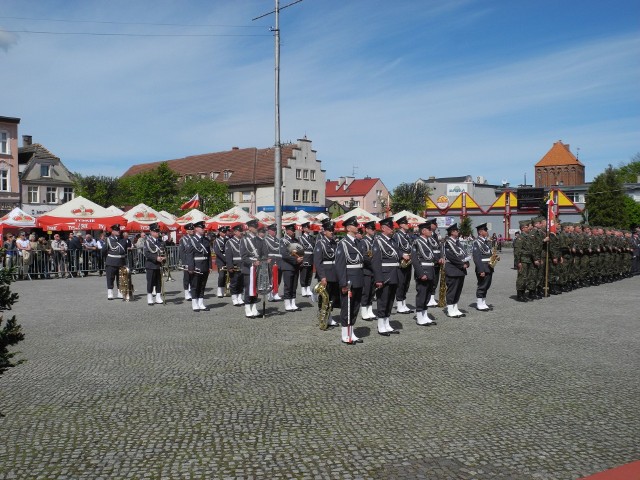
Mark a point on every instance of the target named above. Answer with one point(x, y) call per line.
point(198, 257)
point(324, 256)
point(306, 269)
point(233, 261)
point(290, 268)
point(385, 264)
point(484, 272)
point(272, 245)
point(115, 251)
point(251, 252)
point(456, 266)
point(366, 247)
point(436, 247)
point(154, 258)
point(219, 245)
point(182, 251)
point(424, 258)
point(348, 266)
point(402, 242)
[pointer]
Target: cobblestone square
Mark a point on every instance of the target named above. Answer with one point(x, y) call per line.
point(114, 390)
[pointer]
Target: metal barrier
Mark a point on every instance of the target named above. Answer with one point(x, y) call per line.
point(41, 264)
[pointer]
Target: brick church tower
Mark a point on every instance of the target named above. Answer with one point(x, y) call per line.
point(559, 167)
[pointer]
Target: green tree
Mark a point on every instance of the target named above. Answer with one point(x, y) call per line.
point(10, 331)
point(98, 188)
point(605, 203)
point(409, 196)
point(214, 195)
point(629, 172)
point(466, 225)
point(157, 188)
point(633, 210)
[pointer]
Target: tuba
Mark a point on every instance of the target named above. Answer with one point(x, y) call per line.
point(405, 262)
point(125, 283)
point(296, 250)
point(324, 306)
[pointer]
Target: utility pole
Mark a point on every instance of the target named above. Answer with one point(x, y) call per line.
point(277, 195)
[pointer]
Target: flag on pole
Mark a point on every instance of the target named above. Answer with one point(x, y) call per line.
point(193, 203)
point(253, 281)
point(551, 217)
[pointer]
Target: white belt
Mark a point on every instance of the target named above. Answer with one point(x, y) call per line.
point(328, 262)
point(274, 255)
point(435, 251)
point(355, 265)
point(427, 264)
point(199, 258)
point(395, 264)
point(486, 259)
point(308, 253)
point(115, 256)
point(237, 258)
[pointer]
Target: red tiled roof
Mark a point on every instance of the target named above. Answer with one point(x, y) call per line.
point(558, 155)
point(356, 188)
point(248, 165)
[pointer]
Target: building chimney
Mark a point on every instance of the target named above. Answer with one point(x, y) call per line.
point(235, 148)
point(27, 140)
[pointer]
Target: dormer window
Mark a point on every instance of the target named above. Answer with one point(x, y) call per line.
point(45, 171)
point(227, 174)
point(214, 175)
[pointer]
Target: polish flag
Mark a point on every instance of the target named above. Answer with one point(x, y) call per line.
point(193, 203)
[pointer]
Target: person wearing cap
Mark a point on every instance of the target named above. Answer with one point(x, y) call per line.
point(555, 263)
point(424, 258)
point(455, 269)
point(402, 241)
point(183, 246)
point(366, 247)
point(153, 248)
point(385, 263)
point(522, 260)
point(290, 267)
point(348, 266)
point(114, 251)
point(198, 255)
point(272, 246)
point(308, 243)
point(251, 252)
point(484, 272)
point(324, 259)
point(537, 239)
point(436, 247)
point(233, 261)
point(219, 245)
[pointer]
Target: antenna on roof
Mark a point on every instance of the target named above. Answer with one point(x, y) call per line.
point(577, 153)
point(353, 171)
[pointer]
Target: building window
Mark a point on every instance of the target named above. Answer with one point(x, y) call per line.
point(4, 142)
point(246, 196)
point(351, 203)
point(203, 176)
point(4, 180)
point(45, 170)
point(305, 196)
point(230, 196)
point(214, 175)
point(298, 174)
point(32, 195)
point(314, 196)
point(52, 193)
point(378, 193)
point(305, 174)
point(227, 174)
point(67, 194)
point(313, 175)
point(375, 204)
point(296, 195)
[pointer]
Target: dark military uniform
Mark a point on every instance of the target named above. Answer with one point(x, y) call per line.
point(385, 264)
point(324, 256)
point(456, 265)
point(219, 246)
point(233, 261)
point(251, 251)
point(402, 242)
point(290, 268)
point(365, 244)
point(198, 256)
point(153, 250)
point(484, 273)
point(114, 251)
point(348, 267)
point(424, 258)
point(182, 256)
point(272, 245)
point(306, 269)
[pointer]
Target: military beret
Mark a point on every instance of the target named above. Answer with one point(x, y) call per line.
point(199, 224)
point(402, 221)
point(116, 227)
point(237, 228)
point(424, 225)
point(370, 225)
point(524, 223)
point(453, 227)
point(305, 225)
point(434, 221)
point(482, 226)
point(273, 227)
point(154, 227)
point(188, 226)
point(387, 222)
point(328, 225)
point(351, 221)
point(291, 227)
point(252, 223)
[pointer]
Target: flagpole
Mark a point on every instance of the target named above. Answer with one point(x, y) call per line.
point(546, 262)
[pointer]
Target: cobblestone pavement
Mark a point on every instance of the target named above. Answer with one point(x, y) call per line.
point(544, 390)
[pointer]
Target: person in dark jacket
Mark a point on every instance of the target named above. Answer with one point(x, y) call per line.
point(484, 273)
point(385, 264)
point(424, 258)
point(455, 270)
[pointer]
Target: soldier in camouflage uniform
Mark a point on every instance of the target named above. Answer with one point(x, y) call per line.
point(522, 258)
point(555, 264)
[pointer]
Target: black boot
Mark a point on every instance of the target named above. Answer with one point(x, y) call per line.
point(521, 296)
point(532, 295)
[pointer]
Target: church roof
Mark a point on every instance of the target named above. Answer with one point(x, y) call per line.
point(558, 155)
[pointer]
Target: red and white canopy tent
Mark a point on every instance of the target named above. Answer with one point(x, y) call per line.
point(362, 216)
point(192, 216)
point(266, 217)
point(232, 217)
point(141, 216)
point(115, 210)
point(413, 219)
point(300, 217)
point(168, 215)
point(79, 214)
point(17, 219)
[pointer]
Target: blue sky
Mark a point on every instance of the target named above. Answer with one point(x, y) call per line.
point(396, 90)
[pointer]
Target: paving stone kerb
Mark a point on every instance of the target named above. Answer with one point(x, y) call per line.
point(543, 390)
